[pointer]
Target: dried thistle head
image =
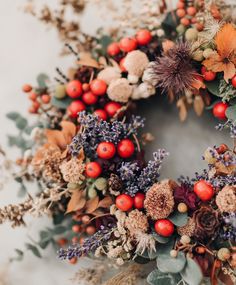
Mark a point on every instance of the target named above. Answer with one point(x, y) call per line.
point(174, 69)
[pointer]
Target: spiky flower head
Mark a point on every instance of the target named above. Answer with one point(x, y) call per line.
point(136, 222)
point(174, 69)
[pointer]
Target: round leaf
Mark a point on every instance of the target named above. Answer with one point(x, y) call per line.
point(231, 113)
point(158, 278)
point(192, 273)
point(168, 264)
point(179, 219)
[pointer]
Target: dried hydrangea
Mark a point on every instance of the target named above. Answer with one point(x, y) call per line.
point(226, 199)
point(159, 202)
point(109, 74)
point(120, 90)
point(187, 229)
point(72, 170)
point(136, 222)
point(135, 62)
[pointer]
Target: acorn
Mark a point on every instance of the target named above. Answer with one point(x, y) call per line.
point(101, 184)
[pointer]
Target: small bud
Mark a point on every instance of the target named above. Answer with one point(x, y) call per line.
point(185, 239)
point(223, 254)
point(173, 253)
point(182, 208)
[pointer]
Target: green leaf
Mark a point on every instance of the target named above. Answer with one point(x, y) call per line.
point(168, 264)
point(160, 239)
point(141, 260)
point(192, 273)
point(213, 87)
point(21, 123)
point(178, 219)
point(61, 103)
point(165, 248)
point(22, 191)
point(59, 230)
point(33, 249)
point(13, 115)
point(158, 278)
point(17, 141)
point(19, 255)
point(231, 113)
point(58, 218)
point(45, 239)
point(42, 80)
point(105, 41)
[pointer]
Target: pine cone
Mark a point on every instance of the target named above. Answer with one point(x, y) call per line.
point(83, 74)
point(115, 184)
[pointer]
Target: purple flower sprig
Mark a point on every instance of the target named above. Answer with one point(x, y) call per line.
point(89, 246)
point(228, 229)
point(231, 125)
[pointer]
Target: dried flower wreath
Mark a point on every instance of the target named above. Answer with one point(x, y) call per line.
point(86, 153)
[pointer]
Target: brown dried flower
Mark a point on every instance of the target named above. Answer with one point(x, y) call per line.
point(120, 90)
point(207, 222)
point(136, 222)
point(226, 199)
point(187, 229)
point(159, 202)
point(114, 184)
point(72, 170)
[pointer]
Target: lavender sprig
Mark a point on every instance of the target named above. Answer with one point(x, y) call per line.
point(231, 125)
point(89, 246)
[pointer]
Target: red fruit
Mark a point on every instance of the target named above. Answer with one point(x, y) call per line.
point(124, 202)
point(185, 21)
point(180, 13)
point(180, 5)
point(128, 44)
point(76, 228)
point(143, 37)
point(32, 110)
point(74, 89)
point(209, 75)
point(191, 11)
point(139, 200)
point(106, 150)
point(122, 68)
point(73, 260)
point(62, 242)
point(98, 87)
point(203, 70)
point(45, 98)
point(26, 88)
point(93, 169)
point(33, 96)
point(203, 190)
point(75, 240)
point(75, 107)
point(112, 108)
point(164, 227)
point(113, 49)
point(85, 87)
point(219, 110)
point(89, 98)
point(101, 114)
point(90, 230)
point(199, 26)
point(36, 105)
point(125, 148)
point(233, 81)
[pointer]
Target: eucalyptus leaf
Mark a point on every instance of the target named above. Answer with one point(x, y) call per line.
point(178, 219)
point(158, 278)
point(19, 255)
point(22, 191)
point(45, 239)
point(231, 113)
point(33, 249)
point(21, 123)
point(42, 80)
point(141, 260)
point(160, 239)
point(213, 87)
point(18, 141)
point(168, 264)
point(61, 103)
point(13, 115)
point(165, 248)
point(59, 230)
point(192, 273)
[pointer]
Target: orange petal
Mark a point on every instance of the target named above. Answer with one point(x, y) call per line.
point(226, 40)
point(214, 63)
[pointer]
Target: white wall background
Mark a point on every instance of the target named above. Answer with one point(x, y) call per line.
point(27, 48)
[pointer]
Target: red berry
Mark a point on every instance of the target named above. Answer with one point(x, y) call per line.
point(124, 202)
point(89, 98)
point(73, 260)
point(203, 70)
point(125, 148)
point(139, 200)
point(85, 87)
point(199, 26)
point(180, 5)
point(26, 88)
point(233, 81)
point(203, 190)
point(90, 230)
point(33, 96)
point(219, 110)
point(185, 21)
point(113, 49)
point(98, 87)
point(62, 242)
point(101, 114)
point(76, 228)
point(180, 13)
point(164, 227)
point(106, 150)
point(143, 37)
point(112, 108)
point(36, 105)
point(191, 11)
point(209, 75)
point(122, 67)
point(93, 169)
point(32, 110)
point(75, 240)
point(74, 89)
point(128, 44)
point(75, 107)
point(45, 98)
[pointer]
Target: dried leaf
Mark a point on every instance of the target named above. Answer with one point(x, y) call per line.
point(71, 73)
point(68, 130)
point(114, 63)
point(171, 95)
point(198, 82)
point(87, 60)
point(102, 61)
point(76, 202)
point(224, 170)
point(105, 203)
point(198, 105)
point(182, 109)
point(92, 205)
point(56, 137)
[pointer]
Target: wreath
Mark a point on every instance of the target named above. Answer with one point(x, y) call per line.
point(86, 153)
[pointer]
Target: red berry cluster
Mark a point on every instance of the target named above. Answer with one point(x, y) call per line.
point(37, 99)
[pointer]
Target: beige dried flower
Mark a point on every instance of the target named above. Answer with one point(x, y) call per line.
point(115, 252)
point(226, 199)
point(145, 242)
point(159, 202)
point(73, 170)
point(120, 90)
point(109, 74)
point(136, 222)
point(187, 229)
point(135, 62)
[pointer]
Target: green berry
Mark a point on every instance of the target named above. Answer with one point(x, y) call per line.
point(101, 184)
point(191, 34)
point(180, 29)
point(60, 91)
point(92, 193)
point(72, 186)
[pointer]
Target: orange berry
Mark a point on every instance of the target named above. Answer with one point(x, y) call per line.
point(33, 96)
point(85, 87)
point(200, 250)
point(194, 20)
point(81, 240)
point(36, 105)
point(76, 228)
point(185, 21)
point(85, 219)
point(191, 11)
point(180, 5)
point(32, 110)
point(90, 230)
point(199, 26)
point(26, 88)
point(62, 242)
point(46, 98)
point(180, 13)
point(75, 240)
point(73, 260)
